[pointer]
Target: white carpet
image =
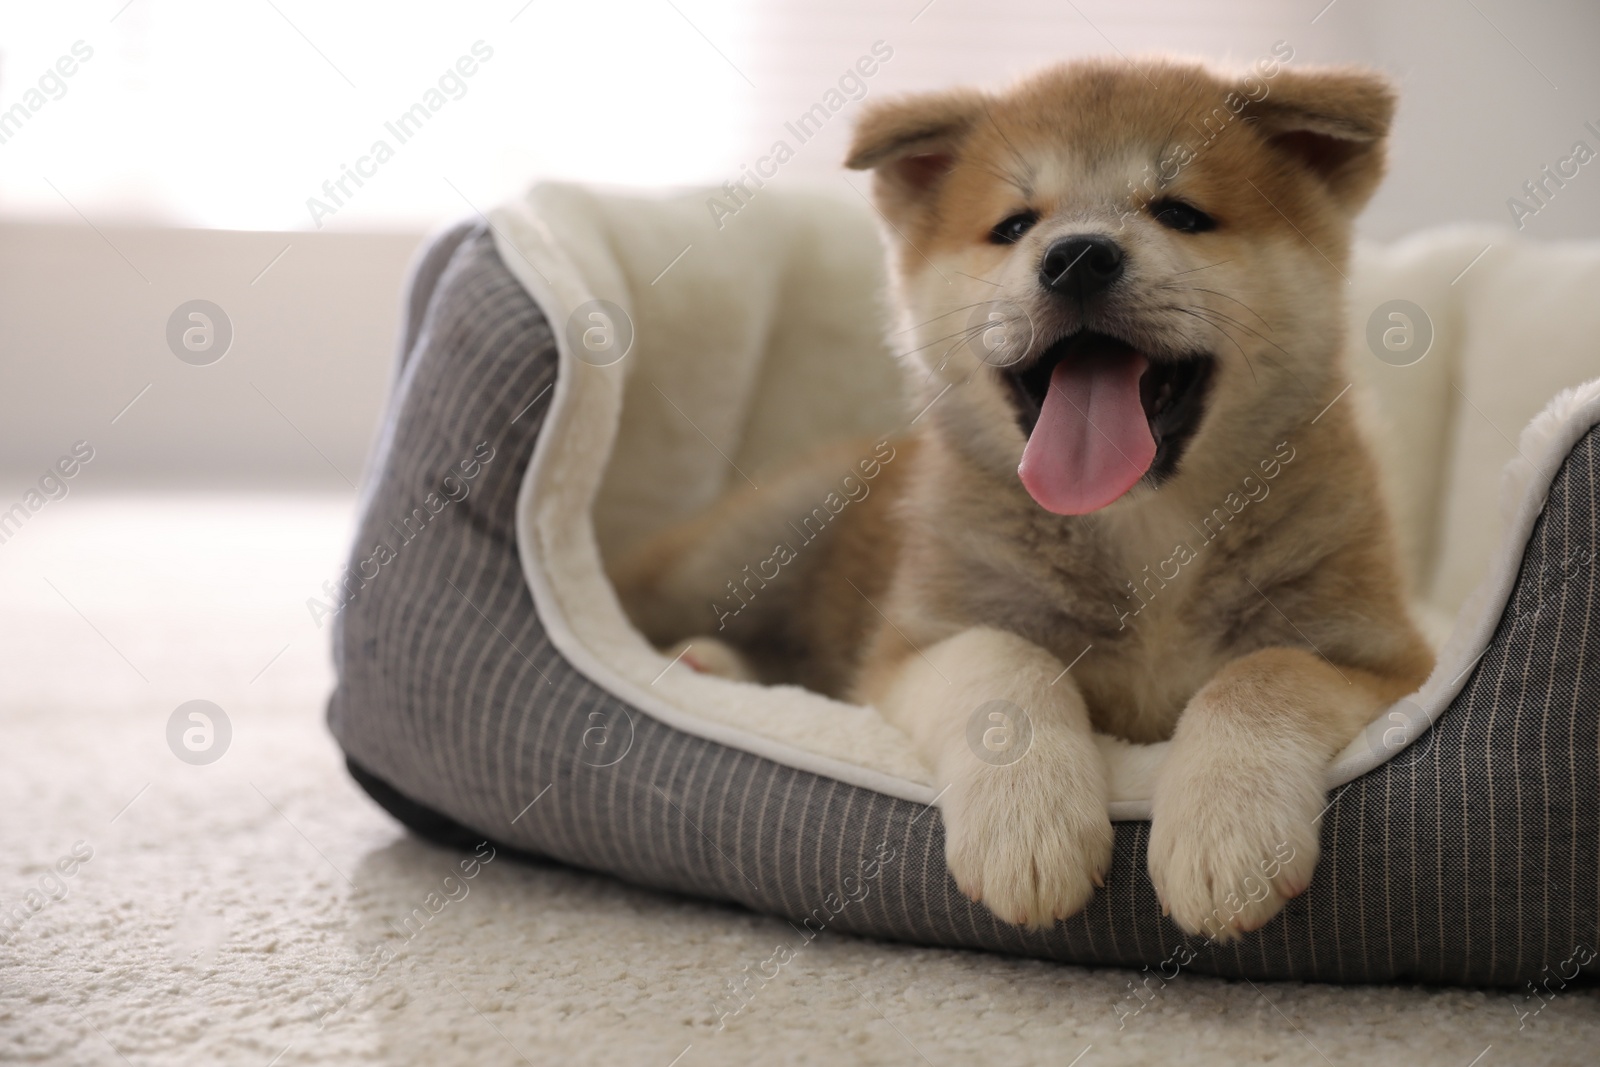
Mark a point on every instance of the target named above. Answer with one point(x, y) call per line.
point(227, 907)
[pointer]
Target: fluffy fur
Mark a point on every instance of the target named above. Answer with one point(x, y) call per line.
point(1246, 605)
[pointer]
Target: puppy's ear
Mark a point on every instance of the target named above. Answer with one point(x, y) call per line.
point(911, 144)
point(1333, 121)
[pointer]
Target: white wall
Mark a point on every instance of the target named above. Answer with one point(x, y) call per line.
point(1478, 116)
point(206, 115)
point(83, 319)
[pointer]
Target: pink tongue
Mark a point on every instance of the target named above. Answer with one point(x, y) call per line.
point(1092, 442)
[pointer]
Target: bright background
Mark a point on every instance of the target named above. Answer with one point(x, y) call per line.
point(178, 163)
point(229, 115)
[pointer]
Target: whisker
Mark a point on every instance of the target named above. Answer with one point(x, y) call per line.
point(1208, 266)
point(944, 360)
point(1225, 296)
point(960, 337)
point(1004, 176)
point(942, 315)
point(1241, 325)
point(1223, 331)
point(1166, 143)
point(1017, 156)
point(1289, 366)
point(1245, 327)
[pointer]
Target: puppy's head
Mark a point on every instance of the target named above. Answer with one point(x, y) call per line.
point(1124, 271)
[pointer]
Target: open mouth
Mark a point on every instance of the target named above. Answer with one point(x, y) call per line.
point(1100, 415)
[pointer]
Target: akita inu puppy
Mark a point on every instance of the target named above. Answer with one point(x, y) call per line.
point(1120, 294)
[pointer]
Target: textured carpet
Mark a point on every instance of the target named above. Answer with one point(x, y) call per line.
point(260, 910)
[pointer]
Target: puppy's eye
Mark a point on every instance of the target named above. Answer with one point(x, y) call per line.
point(1010, 231)
point(1176, 215)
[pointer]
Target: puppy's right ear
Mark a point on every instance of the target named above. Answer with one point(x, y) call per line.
point(911, 144)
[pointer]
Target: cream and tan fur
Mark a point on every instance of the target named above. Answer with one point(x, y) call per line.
point(1259, 652)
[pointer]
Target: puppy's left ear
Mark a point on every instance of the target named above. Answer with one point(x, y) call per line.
point(1333, 121)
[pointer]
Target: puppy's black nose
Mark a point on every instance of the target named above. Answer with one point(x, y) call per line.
point(1081, 266)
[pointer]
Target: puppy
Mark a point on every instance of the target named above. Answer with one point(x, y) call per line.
point(1133, 499)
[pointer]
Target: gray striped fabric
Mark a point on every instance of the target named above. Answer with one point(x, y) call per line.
point(1472, 857)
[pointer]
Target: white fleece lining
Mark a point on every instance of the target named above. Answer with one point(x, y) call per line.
point(563, 568)
point(562, 563)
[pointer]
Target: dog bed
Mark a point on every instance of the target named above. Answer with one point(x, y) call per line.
point(580, 368)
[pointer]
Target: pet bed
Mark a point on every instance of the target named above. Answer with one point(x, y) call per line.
point(581, 368)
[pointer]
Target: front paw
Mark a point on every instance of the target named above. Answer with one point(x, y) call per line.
point(1229, 849)
point(1031, 840)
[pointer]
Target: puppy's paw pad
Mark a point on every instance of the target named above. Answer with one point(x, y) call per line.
point(707, 655)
